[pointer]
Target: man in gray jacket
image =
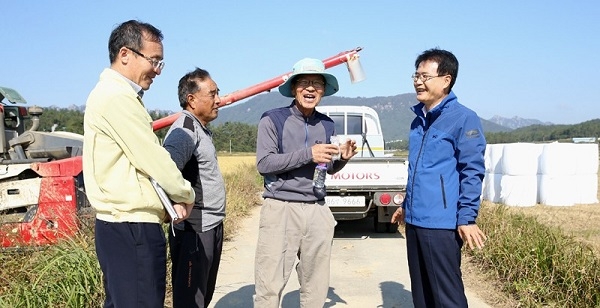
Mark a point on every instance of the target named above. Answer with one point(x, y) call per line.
point(197, 244)
point(294, 221)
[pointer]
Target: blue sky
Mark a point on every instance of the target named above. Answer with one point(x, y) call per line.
point(533, 59)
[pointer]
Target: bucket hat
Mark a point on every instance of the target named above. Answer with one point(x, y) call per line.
point(308, 66)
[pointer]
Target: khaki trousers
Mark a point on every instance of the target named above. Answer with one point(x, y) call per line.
point(290, 230)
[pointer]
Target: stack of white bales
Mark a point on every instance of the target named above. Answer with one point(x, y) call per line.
point(568, 174)
point(523, 174)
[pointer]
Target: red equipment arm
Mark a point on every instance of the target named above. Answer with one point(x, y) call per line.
point(260, 87)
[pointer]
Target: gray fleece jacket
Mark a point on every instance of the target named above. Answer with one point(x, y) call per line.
point(191, 147)
point(284, 155)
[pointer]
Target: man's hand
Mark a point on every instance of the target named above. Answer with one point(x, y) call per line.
point(348, 149)
point(183, 211)
point(398, 216)
point(472, 235)
point(322, 152)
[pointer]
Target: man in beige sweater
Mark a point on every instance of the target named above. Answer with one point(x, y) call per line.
point(121, 153)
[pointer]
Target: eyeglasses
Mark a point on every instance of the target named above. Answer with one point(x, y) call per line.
point(211, 95)
point(423, 77)
point(317, 84)
point(157, 64)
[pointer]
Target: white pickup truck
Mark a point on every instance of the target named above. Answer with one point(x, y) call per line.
point(371, 184)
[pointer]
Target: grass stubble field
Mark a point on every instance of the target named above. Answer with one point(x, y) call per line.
point(580, 221)
point(230, 163)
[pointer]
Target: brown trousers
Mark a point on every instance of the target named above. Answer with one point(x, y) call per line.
point(290, 230)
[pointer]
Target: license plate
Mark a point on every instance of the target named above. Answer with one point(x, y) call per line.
point(354, 201)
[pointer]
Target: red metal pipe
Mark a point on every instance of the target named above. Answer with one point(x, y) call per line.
point(260, 87)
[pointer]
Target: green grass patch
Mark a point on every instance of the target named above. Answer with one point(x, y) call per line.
point(64, 275)
point(539, 265)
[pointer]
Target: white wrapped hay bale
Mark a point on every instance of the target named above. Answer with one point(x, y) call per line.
point(586, 158)
point(520, 158)
point(586, 188)
point(518, 190)
point(569, 174)
point(493, 158)
point(558, 190)
point(491, 187)
point(558, 159)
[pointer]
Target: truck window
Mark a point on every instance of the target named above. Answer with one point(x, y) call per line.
point(339, 123)
point(354, 125)
point(371, 124)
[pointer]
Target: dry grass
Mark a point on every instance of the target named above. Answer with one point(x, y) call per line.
point(580, 221)
point(242, 182)
point(230, 163)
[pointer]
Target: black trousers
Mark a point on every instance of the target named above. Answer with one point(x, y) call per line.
point(434, 265)
point(196, 258)
point(133, 259)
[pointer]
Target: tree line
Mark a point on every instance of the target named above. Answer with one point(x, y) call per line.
point(547, 133)
point(234, 137)
point(241, 137)
point(532, 133)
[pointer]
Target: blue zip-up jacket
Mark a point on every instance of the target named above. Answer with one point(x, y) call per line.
point(446, 166)
point(284, 155)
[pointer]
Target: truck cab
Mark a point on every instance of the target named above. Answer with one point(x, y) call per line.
point(359, 123)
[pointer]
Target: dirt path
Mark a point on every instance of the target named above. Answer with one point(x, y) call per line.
point(367, 270)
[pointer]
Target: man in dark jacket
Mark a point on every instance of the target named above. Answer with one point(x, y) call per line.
point(197, 243)
point(294, 221)
point(446, 169)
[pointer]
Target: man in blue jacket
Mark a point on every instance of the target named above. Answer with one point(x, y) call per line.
point(446, 169)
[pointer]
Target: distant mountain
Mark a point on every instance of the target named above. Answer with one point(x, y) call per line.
point(394, 111)
point(516, 122)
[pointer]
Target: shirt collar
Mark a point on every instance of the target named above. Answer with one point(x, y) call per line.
point(137, 88)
